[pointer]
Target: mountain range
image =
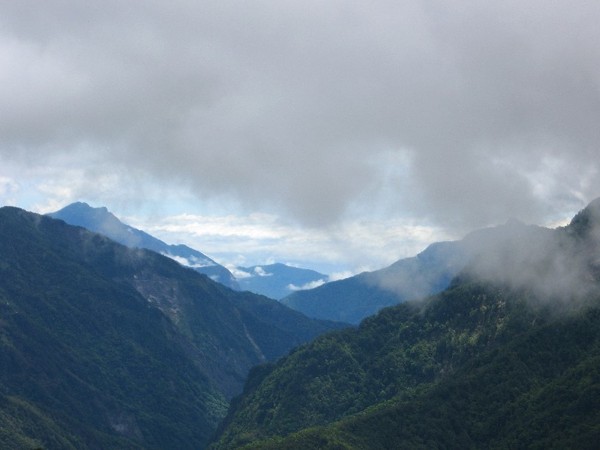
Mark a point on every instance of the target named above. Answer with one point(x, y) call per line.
point(106, 346)
point(508, 356)
point(278, 280)
point(101, 220)
point(273, 280)
point(431, 271)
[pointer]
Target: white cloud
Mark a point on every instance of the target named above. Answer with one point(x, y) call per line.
point(298, 108)
point(192, 262)
point(309, 285)
point(261, 272)
point(237, 273)
point(258, 239)
point(346, 133)
point(336, 276)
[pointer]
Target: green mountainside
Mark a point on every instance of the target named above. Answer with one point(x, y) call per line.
point(506, 357)
point(103, 346)
point(504, 399)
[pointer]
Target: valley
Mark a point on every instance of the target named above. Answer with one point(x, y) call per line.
point(487, 342)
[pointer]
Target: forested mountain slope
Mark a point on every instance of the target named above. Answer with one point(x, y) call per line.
point(506, 357)
point(104, 346)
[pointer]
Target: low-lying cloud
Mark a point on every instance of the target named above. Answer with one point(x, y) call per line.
point(550, 266)
point(305, 286)
point(259, 271)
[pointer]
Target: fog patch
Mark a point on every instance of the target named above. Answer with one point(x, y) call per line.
point(425, 274)
point(309, 285)
point(258, 270)
point(553, 265)
point(192, 261)
point(239, 273)
point(559, 265)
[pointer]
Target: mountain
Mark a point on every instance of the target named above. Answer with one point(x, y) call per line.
point(508, 356)
point(354, 298)
point(278, 280)
point(102, 221)
point(106, 346)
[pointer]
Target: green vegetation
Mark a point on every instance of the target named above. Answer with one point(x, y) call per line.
point(86, 360)
point(102, 346)
point(506, 357)
point(474, 367)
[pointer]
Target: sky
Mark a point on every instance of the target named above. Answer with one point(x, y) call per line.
point(338, 135)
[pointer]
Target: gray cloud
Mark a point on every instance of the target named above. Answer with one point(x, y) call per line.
point(295, 105)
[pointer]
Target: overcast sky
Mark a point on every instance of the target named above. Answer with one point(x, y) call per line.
point(340, 133)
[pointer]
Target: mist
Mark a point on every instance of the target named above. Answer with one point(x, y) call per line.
point(550, 266)
point(558, 267)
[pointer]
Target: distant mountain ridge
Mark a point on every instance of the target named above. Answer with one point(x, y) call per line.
point(354, 298)
point(101, 220)
point(278, 280)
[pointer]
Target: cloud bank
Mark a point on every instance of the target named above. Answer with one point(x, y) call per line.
point(261, 239)
point(461, 114)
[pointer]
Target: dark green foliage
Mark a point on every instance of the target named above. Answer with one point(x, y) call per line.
point(391, 354)
point(506, 357)
point(19, 421)
point(102, 346)
point(230, 331)
point(498, 373)
point(521, 395)
point(90, 356)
